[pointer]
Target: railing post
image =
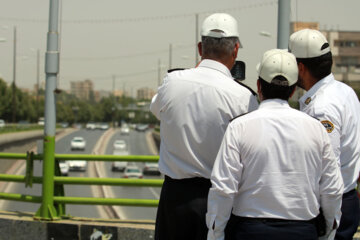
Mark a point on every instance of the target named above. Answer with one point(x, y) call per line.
point(47, 210)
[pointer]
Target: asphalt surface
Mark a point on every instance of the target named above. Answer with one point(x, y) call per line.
point(137, 145)
point(62, 146)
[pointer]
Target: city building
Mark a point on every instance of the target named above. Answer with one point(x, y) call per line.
point(101, 94)
point(345, 48)
point(120, 93)
point(145, 93)
point(82, 89)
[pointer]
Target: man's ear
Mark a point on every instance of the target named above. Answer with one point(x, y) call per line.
point(236, 49)
point(200, 48)
point(258, 86)
point(301, 68)
point(259, 90)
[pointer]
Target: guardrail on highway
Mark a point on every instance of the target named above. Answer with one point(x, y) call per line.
point(59, 198)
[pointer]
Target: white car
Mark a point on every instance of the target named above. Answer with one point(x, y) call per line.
point(119, 165)
point(120, 144)
point(104, 126)
point(2, 123)
point(78, 143)
point(77, 165)
point(125, 130)
point(91, 126)
point(151, 169)
point(41, 121)
point(64, 168)
point(132, 171)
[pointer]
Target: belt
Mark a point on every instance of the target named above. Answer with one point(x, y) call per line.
point(272, 220)
point(194, 180)
point(349, 193)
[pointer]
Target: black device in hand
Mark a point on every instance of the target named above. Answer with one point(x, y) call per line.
point(238, 71)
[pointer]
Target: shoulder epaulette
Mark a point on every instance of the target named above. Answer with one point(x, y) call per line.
point(238, 116)
point(249, 88)
point(175, 69)
point(315, 118)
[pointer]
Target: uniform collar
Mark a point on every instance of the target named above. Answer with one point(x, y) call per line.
point(207, 63)
point(309, 95)
point(274, 103)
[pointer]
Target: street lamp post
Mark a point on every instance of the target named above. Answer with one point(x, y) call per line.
point(47, 209)
point(38, 82)
point(14, 81)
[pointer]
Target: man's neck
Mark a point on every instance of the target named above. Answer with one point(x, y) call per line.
point(227, 62)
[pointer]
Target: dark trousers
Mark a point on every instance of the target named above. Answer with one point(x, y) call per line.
point(239, 228)
point(182, 208)
point(350, 216)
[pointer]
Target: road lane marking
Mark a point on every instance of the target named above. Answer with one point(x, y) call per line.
point(100, 169)
point(152, 190)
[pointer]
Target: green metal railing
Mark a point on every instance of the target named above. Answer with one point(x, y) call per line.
point(57, 197)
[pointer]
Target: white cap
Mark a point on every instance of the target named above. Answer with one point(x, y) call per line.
point(277, 62)
point(220, 25)
point(308, 43)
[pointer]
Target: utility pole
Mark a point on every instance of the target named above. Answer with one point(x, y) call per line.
point(47, 210)
point(114, 101)
point(14, 81)
point(196, 38)
point(283, 24)
point(113, 84)
point(38, 82)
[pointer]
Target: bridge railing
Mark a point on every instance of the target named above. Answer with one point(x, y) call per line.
point(59, 198)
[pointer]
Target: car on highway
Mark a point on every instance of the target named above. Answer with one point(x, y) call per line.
point(64, 124)
point(90, 126)
point(120, 144)
point(132, 171)
point(77, 165)
point(64, 168)
point(78, 143)
point(119, 165)
point(104, 126)
point(151, 169)
point(141, 127)
point(125, 130)
point(2, 123)
point(41, 121)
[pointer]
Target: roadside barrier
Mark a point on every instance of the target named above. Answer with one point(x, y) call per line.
point(58, 197)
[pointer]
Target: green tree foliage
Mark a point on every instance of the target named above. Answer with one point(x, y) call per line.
point(69, 108)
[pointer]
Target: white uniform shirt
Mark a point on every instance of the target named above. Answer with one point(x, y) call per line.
point(336, 105)
point(194, 107)
point(275, 162)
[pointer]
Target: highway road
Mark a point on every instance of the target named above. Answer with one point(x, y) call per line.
point(137, 145)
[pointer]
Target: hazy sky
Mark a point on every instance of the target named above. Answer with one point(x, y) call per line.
point(127, 39)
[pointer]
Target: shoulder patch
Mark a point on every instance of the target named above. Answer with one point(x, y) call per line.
point(175, 69)
point(329, 126)
point(238, 116)
point(245, 86)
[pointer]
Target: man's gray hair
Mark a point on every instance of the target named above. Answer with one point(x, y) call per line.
point(218, 47)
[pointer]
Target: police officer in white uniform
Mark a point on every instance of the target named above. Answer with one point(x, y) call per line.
point(275, 168)
point(194, 107)
point(336, 105)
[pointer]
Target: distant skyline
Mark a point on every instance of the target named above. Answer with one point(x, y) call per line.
point(126, 40)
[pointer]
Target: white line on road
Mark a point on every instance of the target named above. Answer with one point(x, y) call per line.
point(152, 190)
